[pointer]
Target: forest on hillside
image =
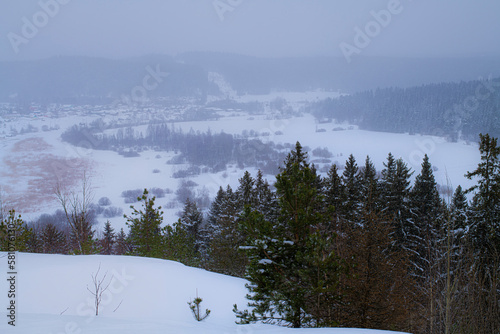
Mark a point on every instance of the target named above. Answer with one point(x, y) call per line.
point(352, 249)
point(453, 110)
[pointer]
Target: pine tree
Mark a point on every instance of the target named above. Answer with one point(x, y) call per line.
point(180, 244)
point(14, 233)
point(145, 227)
point(293, 270)
point(108, 239)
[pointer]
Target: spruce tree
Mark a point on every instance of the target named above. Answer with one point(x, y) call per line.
point(395, 188)
point(427, 209)
point(207, 229)
point(123, 245)
point(369, 186)
point(484, 214)
point(108, 239)
point(145, 227)
point(225, 238)
point(53, 241)
point(352, 190)
point(246, 190)
point(265, 198)
point(293, 271)
point(191, 220)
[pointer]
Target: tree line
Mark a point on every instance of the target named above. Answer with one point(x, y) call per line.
point(428, 109)
point(214, 150)
point(351, 249)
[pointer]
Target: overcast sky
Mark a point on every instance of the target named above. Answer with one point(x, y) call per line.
point(32, 29)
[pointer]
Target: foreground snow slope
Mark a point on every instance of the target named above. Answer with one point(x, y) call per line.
point(144, 296)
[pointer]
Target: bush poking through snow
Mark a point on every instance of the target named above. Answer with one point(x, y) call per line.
point(195, 308)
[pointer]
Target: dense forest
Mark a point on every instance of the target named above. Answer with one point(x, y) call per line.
point(356, 249)
point(454, 110)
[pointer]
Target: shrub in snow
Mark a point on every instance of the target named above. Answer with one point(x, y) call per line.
point(131, 196)
point(104, 201)
point(157, 192)
point(112, 212)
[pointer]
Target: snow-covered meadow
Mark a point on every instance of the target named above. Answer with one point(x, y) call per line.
point(32, 164)
point(143, 296)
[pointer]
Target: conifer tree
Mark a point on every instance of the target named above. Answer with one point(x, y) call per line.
point(334, 197)
point(108, 239)
point(191, 220)
point(246, 190)
point(427, 209)
point(145, 227)
point(395, 187)
point(484, 213)
point(427, 235)
point(209, 227)
point(458, 211)
point(293, 270)
point(352, 189)
point(53, 241)
point(265, 198)
point(180, 244)
point(225, 238)
point(122, 246)
point(370, 190)
point(14, 233)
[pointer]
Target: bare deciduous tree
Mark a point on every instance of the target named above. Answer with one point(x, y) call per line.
point(99, 287)
point(76, 207)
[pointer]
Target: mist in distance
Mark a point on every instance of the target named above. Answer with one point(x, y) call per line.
point(280, 28)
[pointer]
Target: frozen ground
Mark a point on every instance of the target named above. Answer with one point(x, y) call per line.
point(31, 165)
point(144, 296)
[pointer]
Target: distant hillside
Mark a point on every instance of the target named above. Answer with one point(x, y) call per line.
point(80, 80)
point(96, 80)
point(261, 75)
point(453, 110)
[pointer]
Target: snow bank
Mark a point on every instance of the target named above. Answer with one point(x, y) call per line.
point(144, 296)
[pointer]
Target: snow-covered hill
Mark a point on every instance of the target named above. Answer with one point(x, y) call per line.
point(144, 296)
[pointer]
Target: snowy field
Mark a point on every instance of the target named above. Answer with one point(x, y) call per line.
point(31, 165)
point(144, 296)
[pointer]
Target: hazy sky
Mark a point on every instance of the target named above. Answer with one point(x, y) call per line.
point(122, 28)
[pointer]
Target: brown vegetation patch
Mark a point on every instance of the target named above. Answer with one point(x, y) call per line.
point(30, 180)
point(35, 144)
